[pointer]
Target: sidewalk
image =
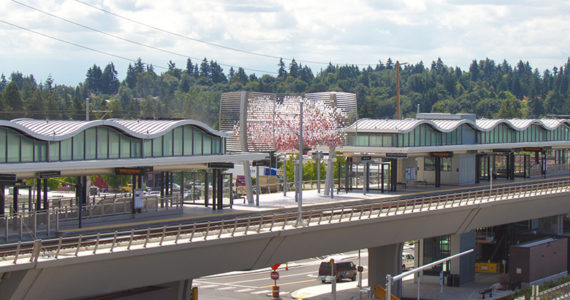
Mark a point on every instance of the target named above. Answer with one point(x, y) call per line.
point(350, 290)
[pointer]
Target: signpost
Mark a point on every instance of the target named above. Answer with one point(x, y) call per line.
point(275, 275)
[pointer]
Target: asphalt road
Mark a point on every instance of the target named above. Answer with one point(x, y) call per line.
point(299, 279)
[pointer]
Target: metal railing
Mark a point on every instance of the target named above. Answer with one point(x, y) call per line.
point(24, 252)
point(558, 292)
point(31, 225)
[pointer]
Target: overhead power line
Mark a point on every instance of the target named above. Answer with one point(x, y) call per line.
point(72, 43)
point(207, 42)
point(128, 40)
point(203, 41)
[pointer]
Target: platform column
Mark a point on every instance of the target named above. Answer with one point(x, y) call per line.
point(46, 202)
point(393, 174)
point(2, 200)
point(382, 261)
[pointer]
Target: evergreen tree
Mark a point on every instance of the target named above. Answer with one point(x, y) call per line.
point(131, 79)
point(3, 83)
point(94, 78)
point(189, 67)
point(35, 107)
point(205, 68)
point(13, 101)
point(109, 82)
point(281, 72)
point(294, 69)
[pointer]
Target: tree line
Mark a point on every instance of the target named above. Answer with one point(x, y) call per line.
point(487, 88)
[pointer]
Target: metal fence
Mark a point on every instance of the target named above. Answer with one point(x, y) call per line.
point(32, 225)
point(558, 292)
point(24, 252)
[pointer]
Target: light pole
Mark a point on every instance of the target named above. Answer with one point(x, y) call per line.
point(300, 167)
point(398, 88)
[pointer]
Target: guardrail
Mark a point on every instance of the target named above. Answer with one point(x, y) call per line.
point(30, 225)
point(25, 252)
point(558, 292)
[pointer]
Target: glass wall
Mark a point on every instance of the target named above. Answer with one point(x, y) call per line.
point(424, 136)
point(107, 143)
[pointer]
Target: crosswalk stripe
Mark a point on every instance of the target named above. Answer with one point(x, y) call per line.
point(261, 292)
point(244, 290)
point(226, 288)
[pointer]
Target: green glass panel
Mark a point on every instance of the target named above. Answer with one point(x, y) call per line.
point(113, 144)
point(197, 137)
point(187, 140)
point(167, 144)
point(65, 149)
point(53, 151)
point(215, 145)
point(2, 145)
point(90, 143)
point(125, 146)
point(147, 148)
point(207, 144)
point(27, 149)
point(362, 140)
point(40, 151)
point(78, 146)
point(178, 141)
point(387, 140)
point(102, 143)
point(13, 146)
point(136, 148)
point(157, 147)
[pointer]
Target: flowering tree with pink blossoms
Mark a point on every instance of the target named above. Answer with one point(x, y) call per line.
point(273, 125)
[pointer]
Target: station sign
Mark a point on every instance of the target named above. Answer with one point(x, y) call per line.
point(220, 165)
point(396, 155)
point(128, 171)
point(317, 155)
point(49, 174)
point(502, 150)
point(442, 154)
point(535, 149)
point(365, 158)
point(260, 163)
point(7, 177)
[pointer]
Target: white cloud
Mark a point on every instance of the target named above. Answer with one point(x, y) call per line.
point(352, 32)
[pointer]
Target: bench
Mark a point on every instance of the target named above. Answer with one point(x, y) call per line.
point(488, 290)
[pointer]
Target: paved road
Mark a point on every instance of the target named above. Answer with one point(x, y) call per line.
point(300, 279)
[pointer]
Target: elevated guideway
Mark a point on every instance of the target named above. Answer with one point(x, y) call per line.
point(124, 260)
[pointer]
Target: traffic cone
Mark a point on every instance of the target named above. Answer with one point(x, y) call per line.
point(286, 266)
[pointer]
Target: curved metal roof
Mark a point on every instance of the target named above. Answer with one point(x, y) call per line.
point(57, 130)
point(407, 125)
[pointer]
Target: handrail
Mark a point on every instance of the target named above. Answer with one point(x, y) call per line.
point(94, 244)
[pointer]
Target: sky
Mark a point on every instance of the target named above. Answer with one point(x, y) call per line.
point(64, 38)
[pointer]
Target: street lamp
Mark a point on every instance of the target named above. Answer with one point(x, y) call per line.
point(398, 88)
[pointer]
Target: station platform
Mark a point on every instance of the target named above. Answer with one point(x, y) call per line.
point(267, 202)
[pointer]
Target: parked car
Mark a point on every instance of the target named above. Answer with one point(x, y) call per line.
point(342, 270)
